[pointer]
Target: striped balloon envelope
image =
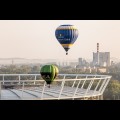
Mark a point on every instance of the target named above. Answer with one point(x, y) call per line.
point(49, 73)
point(66, 36)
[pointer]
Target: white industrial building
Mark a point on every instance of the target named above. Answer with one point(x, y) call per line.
point(101, 58)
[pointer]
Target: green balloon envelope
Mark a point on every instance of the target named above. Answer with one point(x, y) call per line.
point(49, 73)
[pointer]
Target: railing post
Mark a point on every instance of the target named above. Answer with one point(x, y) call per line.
point(89, 86)
point(19, 79)
point(96, 86)
point(22, 90)
point(91, 83)
point(3, 79)
point(43, 90)
point(106, 83)
point(74, 81)
point(83, 83)
point(62, 86)
point(62, 81)
point(76, 89)
point(35, 80)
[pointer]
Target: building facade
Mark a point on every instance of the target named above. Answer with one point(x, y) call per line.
point(101, 59)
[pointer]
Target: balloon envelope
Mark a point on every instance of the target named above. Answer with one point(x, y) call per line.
point(49, 73)
point(66, 36)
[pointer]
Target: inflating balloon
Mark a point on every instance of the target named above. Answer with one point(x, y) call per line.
point(49, 73)
point(66, 36)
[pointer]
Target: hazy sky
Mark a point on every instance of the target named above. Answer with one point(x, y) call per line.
point(36, 38)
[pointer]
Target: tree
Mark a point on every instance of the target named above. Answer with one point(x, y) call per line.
point(113, 89)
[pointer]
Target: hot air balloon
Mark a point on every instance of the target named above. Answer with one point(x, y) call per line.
point(66, 36)
point(49, 73)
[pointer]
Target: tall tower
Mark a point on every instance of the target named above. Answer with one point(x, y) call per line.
point(98, 53)
point(97, 47)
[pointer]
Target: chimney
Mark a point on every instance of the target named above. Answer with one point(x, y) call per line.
point(98, 52)
point(97, 47)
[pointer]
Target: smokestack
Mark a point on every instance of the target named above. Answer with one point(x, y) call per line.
point(98, 53)
point(97, 47)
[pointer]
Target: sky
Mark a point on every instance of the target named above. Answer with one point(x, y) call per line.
point(35, 39)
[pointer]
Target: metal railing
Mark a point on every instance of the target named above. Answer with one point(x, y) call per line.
point(65, 86)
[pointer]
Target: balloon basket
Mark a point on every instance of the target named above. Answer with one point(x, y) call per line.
point(49, 86)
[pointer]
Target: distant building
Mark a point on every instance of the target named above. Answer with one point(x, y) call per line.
point(84, 62)
point(102, 70)
point(80, 60)
point(73, 64)
point(101, 59)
